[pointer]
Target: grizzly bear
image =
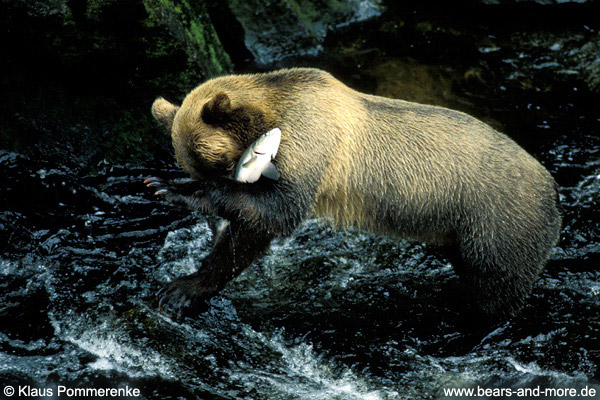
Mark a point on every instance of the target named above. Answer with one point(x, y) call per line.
point(389, 166)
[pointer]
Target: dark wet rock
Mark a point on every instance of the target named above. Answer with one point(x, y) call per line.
point(277, 30)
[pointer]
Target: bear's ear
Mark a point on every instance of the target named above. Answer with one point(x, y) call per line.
point(164, 112)
point(217, 111)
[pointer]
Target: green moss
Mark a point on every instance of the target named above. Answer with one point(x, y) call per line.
point(133, 137)
point(189, 22)
point(590, 63)
point(82, 90)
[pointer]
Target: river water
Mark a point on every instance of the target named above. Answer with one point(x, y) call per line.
point(325, 314)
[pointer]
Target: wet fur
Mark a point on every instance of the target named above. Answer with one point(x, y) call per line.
point(389, 166)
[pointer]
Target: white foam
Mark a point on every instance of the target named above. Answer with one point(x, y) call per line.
point(307, 375)
point(114, 349)
point(8, 267)
point(534, 369)
point(102, 364)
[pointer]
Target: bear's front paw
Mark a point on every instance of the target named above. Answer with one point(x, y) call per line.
point(163, 188)
point(185, 296)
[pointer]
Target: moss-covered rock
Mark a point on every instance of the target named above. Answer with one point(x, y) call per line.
point(190, 23)
point(81, 75)
point(588, 60)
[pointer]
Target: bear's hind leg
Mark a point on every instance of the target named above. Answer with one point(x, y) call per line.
point(500, 270)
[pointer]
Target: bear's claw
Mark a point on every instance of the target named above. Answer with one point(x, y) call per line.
point(154, 182)
point(163, 188)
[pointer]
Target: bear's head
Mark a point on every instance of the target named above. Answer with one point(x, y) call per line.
point(210, 133)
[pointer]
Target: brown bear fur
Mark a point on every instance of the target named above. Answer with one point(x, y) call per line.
point(385, 165)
